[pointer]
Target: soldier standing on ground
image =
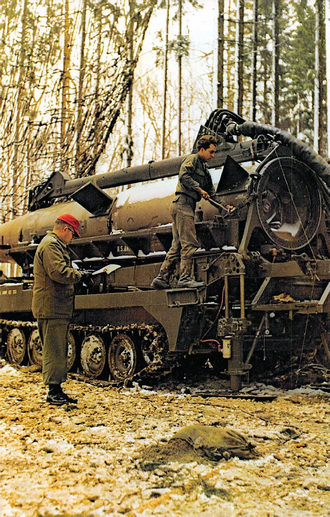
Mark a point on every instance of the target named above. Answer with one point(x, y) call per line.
point(52, 304)
point(194, 183)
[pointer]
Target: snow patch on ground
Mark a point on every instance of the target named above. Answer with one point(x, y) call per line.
point(9, 370)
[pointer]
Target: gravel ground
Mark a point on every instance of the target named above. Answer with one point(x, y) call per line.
point(112, 454)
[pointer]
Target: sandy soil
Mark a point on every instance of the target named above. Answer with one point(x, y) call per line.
point(111, 455)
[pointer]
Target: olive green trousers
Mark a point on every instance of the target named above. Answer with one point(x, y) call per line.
point(184, 243)
point(53, 334)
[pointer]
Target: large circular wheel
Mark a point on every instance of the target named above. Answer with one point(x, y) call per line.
point(35, 348)
point(93, 355)
point(289, 202)
point(16, 346)
point(122, 357)
point(72, 350)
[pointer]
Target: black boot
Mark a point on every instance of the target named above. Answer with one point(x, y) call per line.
point(57, 397)
point(186, 276)
point(162, 281)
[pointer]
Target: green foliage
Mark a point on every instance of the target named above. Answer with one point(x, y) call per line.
point(296, 30)
point(299, 68)
point(180, 46)
point(39, 135)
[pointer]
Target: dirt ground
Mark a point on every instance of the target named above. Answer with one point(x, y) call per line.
point(112, 454)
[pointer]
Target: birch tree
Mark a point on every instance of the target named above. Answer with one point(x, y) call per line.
point(239, 57)
point(320, 80)
point(254, 51)
point(61, 101)
point(165, 78)
point(220, 54)
point(275, 67)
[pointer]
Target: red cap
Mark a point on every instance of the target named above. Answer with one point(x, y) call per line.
point(72, 221)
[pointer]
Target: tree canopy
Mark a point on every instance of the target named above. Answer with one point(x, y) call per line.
point(67, 68)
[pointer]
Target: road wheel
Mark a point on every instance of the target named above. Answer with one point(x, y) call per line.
point(72, 350)
point(122, 357)
point(93, 355)
point(35, 348)
point(16, 346)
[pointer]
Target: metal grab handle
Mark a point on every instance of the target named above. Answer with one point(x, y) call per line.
point(220, 206)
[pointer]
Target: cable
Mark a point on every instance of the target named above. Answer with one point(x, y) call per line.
point(215, 319)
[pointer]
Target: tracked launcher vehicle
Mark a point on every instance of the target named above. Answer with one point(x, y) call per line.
point(265, 262)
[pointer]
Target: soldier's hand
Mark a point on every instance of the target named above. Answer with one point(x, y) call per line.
point(230, 208)
point(203, 193)
point(86, 277)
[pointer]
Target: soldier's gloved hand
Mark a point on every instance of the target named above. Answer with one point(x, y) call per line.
point(86, 277)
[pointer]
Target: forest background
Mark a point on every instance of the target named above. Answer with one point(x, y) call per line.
point(90, 86)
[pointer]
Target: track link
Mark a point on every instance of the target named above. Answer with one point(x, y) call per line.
point(157, 362)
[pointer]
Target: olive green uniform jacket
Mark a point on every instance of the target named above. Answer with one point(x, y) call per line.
point(54, 279)
point(194, 173)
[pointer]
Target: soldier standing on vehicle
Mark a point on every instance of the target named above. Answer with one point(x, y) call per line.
point(194, 183)
point(52, 304)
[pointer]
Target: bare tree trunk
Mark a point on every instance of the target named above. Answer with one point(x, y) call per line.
point(179, 79)
point(130, 36)
point(27, 183)
point(239, 56)
point(19, 103)
point(163, 137)
point(80, 89)
point(320, 48)
point(230, 55)
point(254, 61)
point(65, 88)
point(327, 39)
point(275, 68)
point(220, 54)
point(97, 78)
point(317, 82)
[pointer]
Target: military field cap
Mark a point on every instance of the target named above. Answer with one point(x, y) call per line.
point(72, 221)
